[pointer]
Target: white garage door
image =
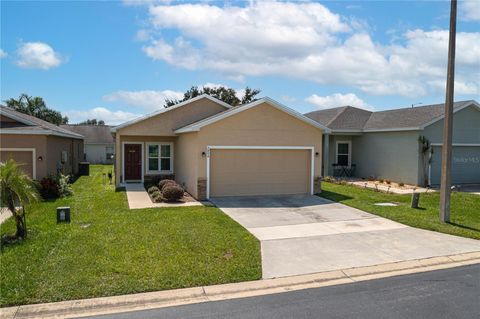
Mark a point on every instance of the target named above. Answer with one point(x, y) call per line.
point(251, 172)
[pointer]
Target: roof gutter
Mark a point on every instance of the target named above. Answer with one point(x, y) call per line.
point(39, 132)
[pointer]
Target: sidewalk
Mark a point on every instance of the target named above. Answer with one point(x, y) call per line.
point(168, 298)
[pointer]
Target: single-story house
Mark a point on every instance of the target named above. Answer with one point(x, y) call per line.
point(99, 145)
point(386, 144)
point(41, 147)
point(214, 149)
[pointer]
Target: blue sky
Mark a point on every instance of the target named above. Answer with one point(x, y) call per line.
point(117, 60)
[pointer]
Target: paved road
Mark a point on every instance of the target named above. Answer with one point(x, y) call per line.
point(309, 234)
point(450, 293)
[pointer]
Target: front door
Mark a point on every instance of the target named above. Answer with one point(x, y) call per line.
point(133, 162)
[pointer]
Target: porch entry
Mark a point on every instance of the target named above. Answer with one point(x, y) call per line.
point(133, 162)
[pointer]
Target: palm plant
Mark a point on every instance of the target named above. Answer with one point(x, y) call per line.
point(426, 152)
point(17, 189)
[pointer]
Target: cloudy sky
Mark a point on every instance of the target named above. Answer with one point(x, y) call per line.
point(118, 60)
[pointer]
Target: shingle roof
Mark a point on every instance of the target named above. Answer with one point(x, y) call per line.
point(93, 134)
point(351, 118)
point(407, 117)
point(32, 123)
point(345, 117)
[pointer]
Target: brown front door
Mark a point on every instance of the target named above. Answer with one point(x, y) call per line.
point(133, 162)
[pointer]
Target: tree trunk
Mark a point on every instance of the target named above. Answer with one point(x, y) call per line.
point(21, 226)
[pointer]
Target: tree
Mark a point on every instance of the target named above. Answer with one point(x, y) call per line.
point(16, 188)
point(35, 106)
point(222, 93)
point(92, 122)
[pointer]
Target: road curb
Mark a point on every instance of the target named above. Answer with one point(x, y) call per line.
point(167, 298)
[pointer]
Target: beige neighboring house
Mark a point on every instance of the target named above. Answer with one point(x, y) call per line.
point(213, 149)
point(41, 147)
point(99, 145)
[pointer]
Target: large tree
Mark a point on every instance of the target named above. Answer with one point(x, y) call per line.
point(37, 107)
point(225, 94)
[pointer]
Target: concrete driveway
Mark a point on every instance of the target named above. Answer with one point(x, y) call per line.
point(307, 234)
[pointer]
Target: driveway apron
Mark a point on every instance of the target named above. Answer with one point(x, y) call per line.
point(307, 234)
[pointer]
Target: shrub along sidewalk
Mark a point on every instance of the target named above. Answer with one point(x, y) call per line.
point(111, 250)
point(465, 208)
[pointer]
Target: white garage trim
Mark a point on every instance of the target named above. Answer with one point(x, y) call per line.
point(34, 157)
point(123, 159)
point(229, 147)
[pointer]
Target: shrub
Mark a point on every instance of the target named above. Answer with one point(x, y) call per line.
point(401, 184)
point(329, 179)
point(153, 189)
point(49, 187)
point(172, 193)
point(64, 186)
point(381, 180)
point(157, 196)
point(54, 187)
point(371, 178)
point(165, 182)
point(388, 181)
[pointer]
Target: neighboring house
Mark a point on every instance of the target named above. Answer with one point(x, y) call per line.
point(213, 149)
point(41, 147)
point(99, 145)
point(386, 144)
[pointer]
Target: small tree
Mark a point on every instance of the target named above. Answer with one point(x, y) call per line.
point(425, 151)
point(17, 189)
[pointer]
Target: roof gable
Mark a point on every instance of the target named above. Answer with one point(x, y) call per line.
point(33, 125)
point(167, 109)
point(235, 110)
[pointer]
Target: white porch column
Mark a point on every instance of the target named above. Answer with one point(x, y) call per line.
point(326, 154)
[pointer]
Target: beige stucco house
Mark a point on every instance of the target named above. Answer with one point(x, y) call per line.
point(40, 147)
point(213, 149)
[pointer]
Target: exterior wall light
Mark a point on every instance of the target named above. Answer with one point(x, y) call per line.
point(40, 158)
point(204, 154)
point(317, 154)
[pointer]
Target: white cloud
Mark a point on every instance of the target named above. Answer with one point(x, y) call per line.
point(469, 10)
point(146, 99)
point(337, 99)
point(38, 55)
point(3, 54)
point(101, 113)
point(306, 41)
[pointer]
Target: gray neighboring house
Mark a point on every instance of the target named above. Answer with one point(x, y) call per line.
point(386, 144)
point(99, 145)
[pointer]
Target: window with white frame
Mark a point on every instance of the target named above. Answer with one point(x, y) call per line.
point(343, 153)
point(159, 157)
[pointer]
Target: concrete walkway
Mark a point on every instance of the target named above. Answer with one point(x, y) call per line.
point(138, 198)
point(309, 234)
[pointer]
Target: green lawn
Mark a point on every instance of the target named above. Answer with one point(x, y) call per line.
point(121, 251)
point(465, 208)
